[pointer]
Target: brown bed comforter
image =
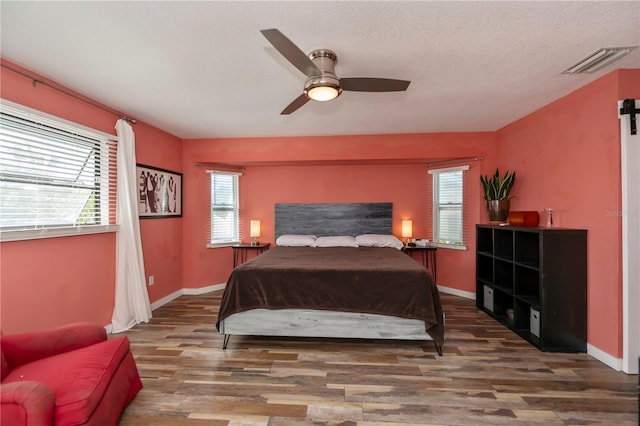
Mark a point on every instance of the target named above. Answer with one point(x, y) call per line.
point(348, 279)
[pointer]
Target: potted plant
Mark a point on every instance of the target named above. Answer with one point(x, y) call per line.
point(496, 194)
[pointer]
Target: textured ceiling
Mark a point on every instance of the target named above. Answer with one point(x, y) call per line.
point(202, 69)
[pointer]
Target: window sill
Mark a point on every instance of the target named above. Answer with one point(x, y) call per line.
point(36, 234)
point(448, 246)
point(225, 244)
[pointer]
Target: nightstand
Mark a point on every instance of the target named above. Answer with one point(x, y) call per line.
point(428, 256)
point(240, 251)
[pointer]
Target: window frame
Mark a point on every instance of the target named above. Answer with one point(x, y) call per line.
point(235, 208)
point(435, 174)
point(107, 197)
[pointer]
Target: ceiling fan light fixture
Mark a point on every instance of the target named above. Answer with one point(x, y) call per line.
point(323, 93)
point(323, 88)
point(598, 59)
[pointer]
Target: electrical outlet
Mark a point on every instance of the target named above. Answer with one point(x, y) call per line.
point(152, 280)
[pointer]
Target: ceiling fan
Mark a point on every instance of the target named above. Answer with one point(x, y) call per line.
point(322, 83)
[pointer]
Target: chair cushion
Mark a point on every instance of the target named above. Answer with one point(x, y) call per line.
point(78, 378)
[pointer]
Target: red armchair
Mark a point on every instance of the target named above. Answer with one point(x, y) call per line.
point(71, 375)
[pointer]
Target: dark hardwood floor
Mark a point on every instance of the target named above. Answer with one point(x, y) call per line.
point(487, 375)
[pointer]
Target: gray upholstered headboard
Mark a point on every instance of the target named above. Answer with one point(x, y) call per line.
point(325, 219)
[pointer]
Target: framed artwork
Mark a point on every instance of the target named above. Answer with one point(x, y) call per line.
point(159, 192)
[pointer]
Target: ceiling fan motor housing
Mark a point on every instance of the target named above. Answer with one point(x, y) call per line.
point(327, 83)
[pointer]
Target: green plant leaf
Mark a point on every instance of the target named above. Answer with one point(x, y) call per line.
point(497, 187)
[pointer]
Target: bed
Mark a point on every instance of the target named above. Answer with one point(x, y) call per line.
point(333, 292)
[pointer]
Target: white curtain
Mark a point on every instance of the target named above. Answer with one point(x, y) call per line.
point(132, 299)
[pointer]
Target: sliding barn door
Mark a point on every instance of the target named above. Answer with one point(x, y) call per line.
point(630, 153)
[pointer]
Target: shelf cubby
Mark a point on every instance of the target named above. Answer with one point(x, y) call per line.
point(503, 276)
point(485, 267)
point(501, 302)
point(503, 244)
point(485, 243)
point(527, 248)
point(527, 282)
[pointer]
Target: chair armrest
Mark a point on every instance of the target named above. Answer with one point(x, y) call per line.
point(23, 348)
point(26, 403)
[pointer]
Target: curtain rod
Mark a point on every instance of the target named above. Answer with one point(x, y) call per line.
point(35, 80)
point(454, 161)
point(222, 166)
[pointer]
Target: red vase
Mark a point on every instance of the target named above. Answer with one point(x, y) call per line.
point(524, 218)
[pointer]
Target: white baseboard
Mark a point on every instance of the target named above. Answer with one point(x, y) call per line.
point(605, 358)
point(456, 292)
point(203, 290)
point(186, 291)
point(161, 302)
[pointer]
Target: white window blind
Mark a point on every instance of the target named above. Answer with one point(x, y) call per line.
point(449, 211)
point(225, 209)
point(52, 174)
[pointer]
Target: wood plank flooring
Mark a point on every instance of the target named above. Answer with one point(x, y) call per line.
point(487, 375)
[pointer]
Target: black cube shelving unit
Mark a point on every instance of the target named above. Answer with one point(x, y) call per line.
point(541, 275)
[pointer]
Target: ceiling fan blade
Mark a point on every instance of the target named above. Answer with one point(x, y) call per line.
point(291, 52)
point(297, 103)
point(364, 84)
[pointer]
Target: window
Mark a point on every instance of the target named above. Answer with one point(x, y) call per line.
point(56, 178)
point(448, 207)
point(225, 211)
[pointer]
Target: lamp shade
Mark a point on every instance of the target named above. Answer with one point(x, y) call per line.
point(407, 228)
point(255, 228)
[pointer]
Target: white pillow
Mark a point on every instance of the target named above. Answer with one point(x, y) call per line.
point(295, 240)
point(339, 241)
point(374, 240)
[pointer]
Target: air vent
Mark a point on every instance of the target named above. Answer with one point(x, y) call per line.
point(598, 59)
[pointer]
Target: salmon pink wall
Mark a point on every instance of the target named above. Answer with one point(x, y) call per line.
point(405, 185)
point(55, 281)
point(161, 238)
point(324, 169)
point(567, 156)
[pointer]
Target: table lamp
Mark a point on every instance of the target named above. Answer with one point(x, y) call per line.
point(255, 232)
point(407, 230)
